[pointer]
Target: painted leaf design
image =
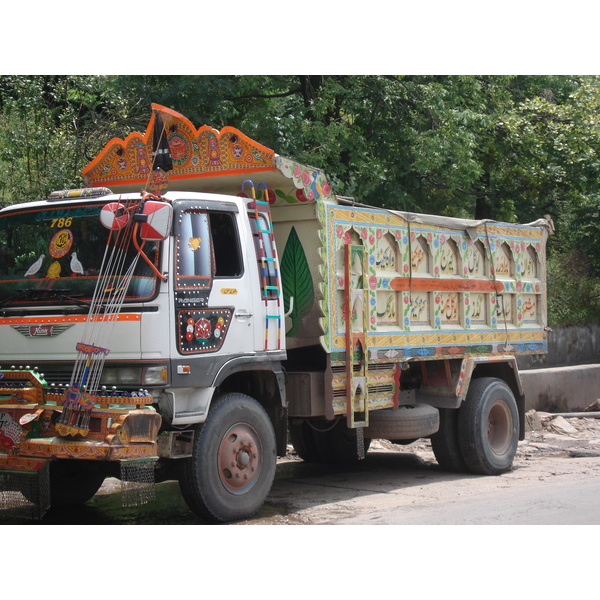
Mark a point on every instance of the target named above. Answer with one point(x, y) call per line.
point(297, 280)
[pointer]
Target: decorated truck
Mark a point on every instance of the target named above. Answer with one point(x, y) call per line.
point(204, 299)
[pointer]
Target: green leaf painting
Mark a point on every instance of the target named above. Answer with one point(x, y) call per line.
point(297, 280)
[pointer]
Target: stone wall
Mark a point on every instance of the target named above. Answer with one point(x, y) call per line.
point(567, 379)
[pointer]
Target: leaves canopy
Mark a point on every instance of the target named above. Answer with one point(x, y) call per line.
point(505, 147)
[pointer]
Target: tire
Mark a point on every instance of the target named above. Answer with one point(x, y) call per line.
point(445, 444)
point(233, 461)
point(403, 423)
point(338, 444)
point(488, 427)
point(74, 482)
point(303, 440)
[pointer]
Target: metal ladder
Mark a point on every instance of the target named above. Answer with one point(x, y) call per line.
point(270, 286)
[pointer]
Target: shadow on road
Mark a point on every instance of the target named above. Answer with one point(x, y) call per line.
point(297, 484)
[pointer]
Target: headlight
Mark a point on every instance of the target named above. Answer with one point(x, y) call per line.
point(155, 375)
point(122, 376)
point(135, 376)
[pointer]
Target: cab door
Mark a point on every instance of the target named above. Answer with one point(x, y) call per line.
point(213, 289)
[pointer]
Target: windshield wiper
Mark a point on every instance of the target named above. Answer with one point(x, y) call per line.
point(44, 294)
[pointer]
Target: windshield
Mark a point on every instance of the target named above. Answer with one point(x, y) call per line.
point(53, 254)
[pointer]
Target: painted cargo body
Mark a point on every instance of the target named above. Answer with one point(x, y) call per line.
point(420, 289)
point(267, 305)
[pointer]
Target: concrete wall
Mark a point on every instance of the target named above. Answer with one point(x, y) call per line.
point(567, 379)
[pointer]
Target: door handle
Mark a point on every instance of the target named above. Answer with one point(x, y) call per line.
point(242, 314)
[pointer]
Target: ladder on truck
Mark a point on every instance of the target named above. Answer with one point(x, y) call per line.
point(268, 265)
point(357, 365)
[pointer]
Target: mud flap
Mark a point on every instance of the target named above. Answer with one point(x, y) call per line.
point(25, 494)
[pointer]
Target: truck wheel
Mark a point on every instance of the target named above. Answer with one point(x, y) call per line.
point(488, 427)
point(445, 444)
point(74, 482)
point(405, 422)
point(233, 461)
point(303, 440)
point(338, 444)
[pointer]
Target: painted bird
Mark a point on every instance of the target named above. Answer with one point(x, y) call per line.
point(35, 267)
point(76, 265)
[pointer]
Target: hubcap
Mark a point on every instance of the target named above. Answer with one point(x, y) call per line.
point(500, 427)
point(240, 459)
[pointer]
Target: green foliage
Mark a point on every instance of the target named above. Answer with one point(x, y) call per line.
point(503, 147)
point(573, 291)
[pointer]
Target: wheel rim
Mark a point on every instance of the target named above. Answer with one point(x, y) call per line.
point(239, 459)
point(499, 428)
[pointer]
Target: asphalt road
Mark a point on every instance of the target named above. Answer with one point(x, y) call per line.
point(394, 485)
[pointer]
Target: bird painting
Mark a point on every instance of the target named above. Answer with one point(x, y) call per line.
point(76, 266)
point(35, 267)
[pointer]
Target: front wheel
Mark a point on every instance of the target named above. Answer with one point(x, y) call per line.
point(488, 427)
point(233, 461)
point(74, 482)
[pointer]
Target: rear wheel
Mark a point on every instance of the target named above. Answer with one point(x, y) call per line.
point(303, 439)
point(445, 444)
point(233, 461)
point(338, 444)
point(488, 427)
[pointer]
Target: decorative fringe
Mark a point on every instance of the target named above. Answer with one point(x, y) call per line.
point(137, 481)
point(25, 494)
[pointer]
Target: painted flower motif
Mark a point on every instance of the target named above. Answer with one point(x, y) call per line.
point(519, 286)
point(297, 171)
point(406, 300)
point(413, 237)
point(371, 260)
point(465, 270)
point(373, 320)
point(467, 322)
point(371, 239)
point(340, 282)
point(436, 270)
point(404, 239)
point(373, 282)
point(443, 239)
point(326, 188)
point(436, 242)
point(379, 234)
point(306, 178)
point(429, 237)
point(406, 321)
point(348, 237)
point(310, 195)
point(437, 322)
point(405, 267)
point(339, 231)
point(437, 299)
point(363, 233)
